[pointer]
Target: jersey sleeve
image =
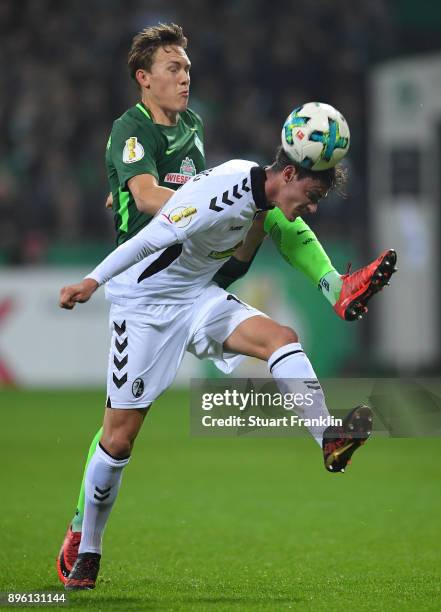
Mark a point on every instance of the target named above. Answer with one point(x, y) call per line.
point(159, 234)
point(134, 150)
point(189, 215)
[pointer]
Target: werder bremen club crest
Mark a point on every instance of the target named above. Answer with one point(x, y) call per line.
point(187, 167)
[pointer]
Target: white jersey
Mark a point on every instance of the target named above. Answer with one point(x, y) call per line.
point(189, 239)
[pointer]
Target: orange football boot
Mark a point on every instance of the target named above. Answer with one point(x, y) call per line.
point(359, 286)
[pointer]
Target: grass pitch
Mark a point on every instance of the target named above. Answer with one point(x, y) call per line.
point(221, 524)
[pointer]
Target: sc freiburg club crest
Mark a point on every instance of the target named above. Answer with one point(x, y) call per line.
point(138, 387)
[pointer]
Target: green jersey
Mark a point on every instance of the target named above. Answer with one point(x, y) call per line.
point(172, 154)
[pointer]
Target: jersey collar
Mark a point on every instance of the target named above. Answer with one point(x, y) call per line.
point(141, 106)
point(258, 178)
point(146, 111)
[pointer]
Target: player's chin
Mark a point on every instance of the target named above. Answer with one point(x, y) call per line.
point(182, 104)
point(290, 216)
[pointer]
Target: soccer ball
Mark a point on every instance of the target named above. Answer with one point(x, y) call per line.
point(315, 136)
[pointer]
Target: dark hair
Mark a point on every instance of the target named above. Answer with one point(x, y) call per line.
point(146, 43)
point(333, 178)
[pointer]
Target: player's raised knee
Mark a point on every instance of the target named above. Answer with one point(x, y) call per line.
point(287, 335)
point(281, 336)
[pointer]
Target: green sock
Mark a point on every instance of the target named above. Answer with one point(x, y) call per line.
point(77, 521)
point(298, 245)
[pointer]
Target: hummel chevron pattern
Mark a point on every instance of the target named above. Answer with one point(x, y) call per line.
point(101, 494)
point(119, 329)
point(119, 382)
point(121, 346)
point(236, 194)
point(225, 199)
point(122, 363)
point(226, 196)
point(213, 205)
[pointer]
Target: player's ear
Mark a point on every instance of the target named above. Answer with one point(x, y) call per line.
point(289, 173)
point(143, 78)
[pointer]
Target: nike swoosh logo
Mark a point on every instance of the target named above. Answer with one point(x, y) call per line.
point(302, 232)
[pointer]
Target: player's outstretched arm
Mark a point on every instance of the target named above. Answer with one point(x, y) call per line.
point(79, 293)
point(159, 234)
point(239, 264)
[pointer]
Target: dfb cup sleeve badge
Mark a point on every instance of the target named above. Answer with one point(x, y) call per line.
point(138, 387)
point(133, 150)
point(182, 215)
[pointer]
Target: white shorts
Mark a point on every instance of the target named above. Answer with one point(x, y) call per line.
point(149, 342)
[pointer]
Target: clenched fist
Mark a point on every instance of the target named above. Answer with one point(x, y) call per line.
point(80, 292)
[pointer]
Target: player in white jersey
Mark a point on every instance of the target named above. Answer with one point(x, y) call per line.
point(204, 220)
point(164, 303)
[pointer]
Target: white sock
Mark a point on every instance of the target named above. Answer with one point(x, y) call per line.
point(331, 285)
point(294, 373)
point(103, 479)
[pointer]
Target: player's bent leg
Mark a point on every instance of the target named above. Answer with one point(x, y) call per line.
point(349, 294)
point(259, 337)
point(263, 338)
point(225, 329)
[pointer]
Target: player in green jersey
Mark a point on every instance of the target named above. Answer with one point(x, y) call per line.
point(169, 154)
point(157, 145)
point(152, 150)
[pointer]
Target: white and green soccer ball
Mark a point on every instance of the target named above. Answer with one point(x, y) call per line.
point(316, 136)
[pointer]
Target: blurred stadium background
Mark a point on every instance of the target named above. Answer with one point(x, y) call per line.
point(64, 80)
